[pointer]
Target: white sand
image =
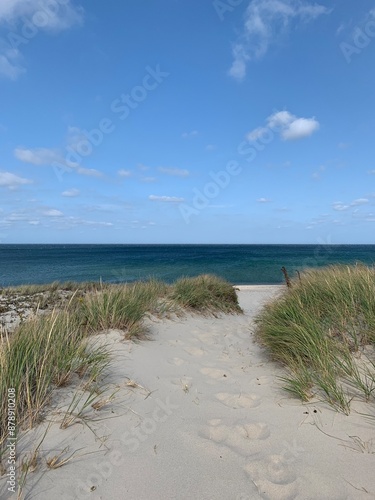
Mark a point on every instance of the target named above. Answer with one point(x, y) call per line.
point(211, 423)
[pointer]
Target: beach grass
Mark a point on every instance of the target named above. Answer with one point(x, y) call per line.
point(52, 349)
point(323, 329)
point(121, 307)
point(43, 353)
point(206, 293)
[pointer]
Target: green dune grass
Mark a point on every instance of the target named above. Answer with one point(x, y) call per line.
point(323, 330)
point(49, 350)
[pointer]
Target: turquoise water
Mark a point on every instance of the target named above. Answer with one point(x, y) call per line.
point(239, 264)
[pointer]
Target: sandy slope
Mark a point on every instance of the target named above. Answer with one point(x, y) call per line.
point(209, 422)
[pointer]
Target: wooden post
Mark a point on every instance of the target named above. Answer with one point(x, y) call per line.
point(287, 279)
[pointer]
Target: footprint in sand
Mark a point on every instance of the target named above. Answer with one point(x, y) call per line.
point(274, 478)
point(215, 421)
point(176, 361)
point(243, 439)
point(205, 338)
point(271, 491)
point(237, 401)
point(195, 351)
point(259, 430)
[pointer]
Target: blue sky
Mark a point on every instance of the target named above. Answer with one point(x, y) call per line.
point(187, 122)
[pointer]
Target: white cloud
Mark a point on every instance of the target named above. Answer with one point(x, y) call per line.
point(71, 193)
point(265, 22)
point(75, 137)
point(73, 221)
point(9, 64)
point(210, 147)
point(280, 119)
point(359, 201)
point(166, 199)
point(37, 216)
point(142, 167)
point(37, 15)
point(257, 133)
point(52, 212)
point(300, 128)
point(42, 14)
point(90, 172)
point(37, 156)
point(263, 200)
point(339, 206)
point(174, 171)
point(371, 172)
point(45, 156)
point(8, 8)
point(15, 217)
point(124, 173)
point(289, 126)
point(12, 181)
point(357, 215)
point(97, 223)
point(187, 135)
point(238, 68)
point(340, 29)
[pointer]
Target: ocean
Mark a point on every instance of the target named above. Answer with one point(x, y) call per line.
point(239, 264)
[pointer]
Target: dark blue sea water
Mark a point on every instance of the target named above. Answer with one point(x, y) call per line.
point(239, 264)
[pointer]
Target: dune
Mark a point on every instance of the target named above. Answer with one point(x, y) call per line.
point(198, 412)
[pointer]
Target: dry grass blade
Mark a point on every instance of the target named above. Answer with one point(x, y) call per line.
point(101, 403)
point(58, 461)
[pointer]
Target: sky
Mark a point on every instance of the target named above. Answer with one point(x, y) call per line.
point(174, 121)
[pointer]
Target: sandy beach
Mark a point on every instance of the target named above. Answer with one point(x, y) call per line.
point(198, 412)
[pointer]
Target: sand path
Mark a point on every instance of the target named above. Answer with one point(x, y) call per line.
point(208, 420)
